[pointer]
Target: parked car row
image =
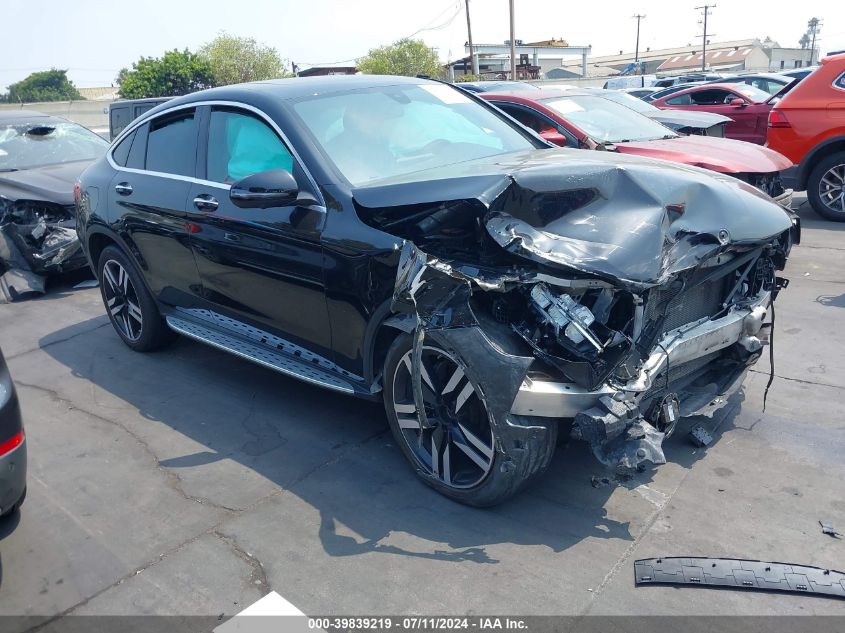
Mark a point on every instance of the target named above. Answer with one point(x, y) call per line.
point(804, 120)
point(588, 119)
point(405, 240)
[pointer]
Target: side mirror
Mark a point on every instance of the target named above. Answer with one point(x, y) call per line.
point(272, 188)
point(553, 136)
point(738, 103)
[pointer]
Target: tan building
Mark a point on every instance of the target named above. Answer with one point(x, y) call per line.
point(734, 56)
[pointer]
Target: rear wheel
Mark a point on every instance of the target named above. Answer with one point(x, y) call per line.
point(826, 187)
point(460, 451)
point(129, 305)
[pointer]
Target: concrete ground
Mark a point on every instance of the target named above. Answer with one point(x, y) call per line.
point(191, 482)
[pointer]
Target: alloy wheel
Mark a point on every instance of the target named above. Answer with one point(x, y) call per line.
point(832, 188)
point(122, 300)
point(457, 443)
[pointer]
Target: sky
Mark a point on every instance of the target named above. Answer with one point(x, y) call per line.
point(94, 39)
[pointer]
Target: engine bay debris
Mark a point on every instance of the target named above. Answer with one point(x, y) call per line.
point(37, 238)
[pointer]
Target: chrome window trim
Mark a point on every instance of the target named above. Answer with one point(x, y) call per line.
point(193, 105)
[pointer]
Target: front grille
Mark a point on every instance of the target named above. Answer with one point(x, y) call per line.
point(703, 300)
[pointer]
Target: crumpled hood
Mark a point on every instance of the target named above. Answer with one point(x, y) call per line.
point(634, 220)
point(724, 155)
point(53, 183)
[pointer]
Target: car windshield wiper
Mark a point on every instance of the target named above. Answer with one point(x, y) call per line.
point(5, 169)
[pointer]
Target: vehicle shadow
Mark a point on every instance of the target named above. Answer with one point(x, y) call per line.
point(337, 455)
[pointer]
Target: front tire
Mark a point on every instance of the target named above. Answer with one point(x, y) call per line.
point(826, 187)
point(130, 306)
point(463, 453)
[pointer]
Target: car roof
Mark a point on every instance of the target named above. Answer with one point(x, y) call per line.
point(539, 95)
point(297, 87)
point(738, 78)
point(493, 83)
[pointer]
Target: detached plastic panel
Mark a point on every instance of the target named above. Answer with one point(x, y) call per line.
point(740, 574)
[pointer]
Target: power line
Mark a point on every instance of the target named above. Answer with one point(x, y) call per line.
point(427, 27)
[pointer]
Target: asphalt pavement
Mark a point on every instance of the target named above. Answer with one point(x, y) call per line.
point(188, 481)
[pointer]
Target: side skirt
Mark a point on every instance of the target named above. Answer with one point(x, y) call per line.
point(303, 365)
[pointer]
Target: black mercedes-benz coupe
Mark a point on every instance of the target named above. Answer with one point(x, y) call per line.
point(398, 238)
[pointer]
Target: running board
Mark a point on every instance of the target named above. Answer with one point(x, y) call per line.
point(281, 363)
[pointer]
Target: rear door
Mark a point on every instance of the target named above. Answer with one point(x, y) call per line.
point(258, 266)
point(155, 166)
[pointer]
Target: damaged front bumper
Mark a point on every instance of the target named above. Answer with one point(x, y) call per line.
point(625, 423)
point(555, 399)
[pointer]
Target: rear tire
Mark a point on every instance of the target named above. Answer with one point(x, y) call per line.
point(130, 306)
point(826, 187)
point(475, 464)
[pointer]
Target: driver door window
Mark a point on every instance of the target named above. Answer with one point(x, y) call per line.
point(240, 145)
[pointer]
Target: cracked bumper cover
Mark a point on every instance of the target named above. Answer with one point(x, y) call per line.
point(566, 400)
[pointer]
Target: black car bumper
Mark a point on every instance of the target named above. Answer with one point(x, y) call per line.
point(12, 444)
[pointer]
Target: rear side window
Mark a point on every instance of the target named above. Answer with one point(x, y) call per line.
point(121, 153)
point(118, 120)
point(172, 144)
point(138, 152)
point(840, 82)
point(240, 144)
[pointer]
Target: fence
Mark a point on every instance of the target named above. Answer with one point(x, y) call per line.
point(91, 114)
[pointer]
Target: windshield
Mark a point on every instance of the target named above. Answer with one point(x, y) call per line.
point(393, 130)
point(607, 121)
point(46, 142)
point(755, 94)
point(628, 100)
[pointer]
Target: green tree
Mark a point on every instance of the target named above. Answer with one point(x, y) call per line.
point(47, 85)
point(405, 57)
point(175, 73)
point(235, 60)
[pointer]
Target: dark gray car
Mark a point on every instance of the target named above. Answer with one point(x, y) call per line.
point(12, 446)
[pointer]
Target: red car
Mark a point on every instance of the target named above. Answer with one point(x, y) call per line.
point(585, 120)
point(748, 107)
point(808, 126)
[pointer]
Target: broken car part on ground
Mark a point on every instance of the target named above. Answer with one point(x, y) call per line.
point(740, 574)
point(619, 295)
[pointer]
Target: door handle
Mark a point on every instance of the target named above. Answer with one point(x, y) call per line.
point(123, 188)
point(205, 202)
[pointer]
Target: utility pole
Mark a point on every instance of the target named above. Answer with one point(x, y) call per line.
point(473, 61)
point(513, 47)
point(813, 25)
point(706, 9)
point(638, 17)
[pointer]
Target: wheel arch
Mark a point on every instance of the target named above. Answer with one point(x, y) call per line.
point(382, 329)
point(818, 153)
point(98, 238)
